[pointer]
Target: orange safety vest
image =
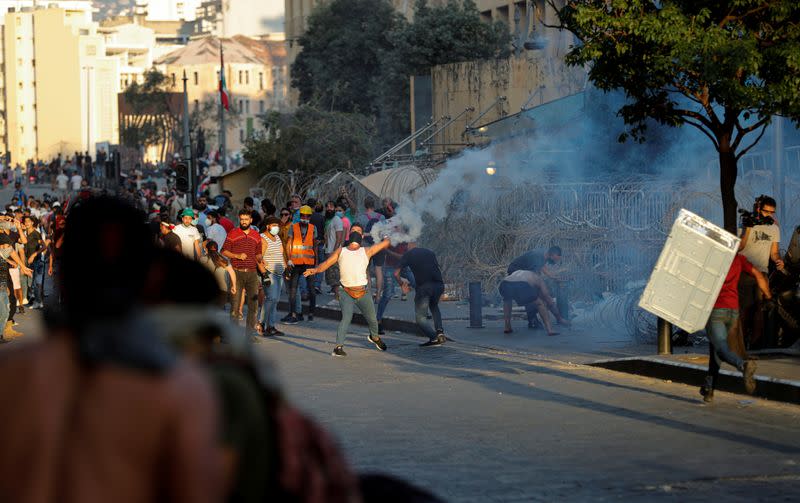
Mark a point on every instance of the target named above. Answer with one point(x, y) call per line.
point(302, 251)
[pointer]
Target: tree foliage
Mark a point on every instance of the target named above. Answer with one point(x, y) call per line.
point(311, 141)
point(450, 33)
point(343, 48)
point(357, 55)
point(723, 67)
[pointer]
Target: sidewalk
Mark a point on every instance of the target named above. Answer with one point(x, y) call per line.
point(586, 343)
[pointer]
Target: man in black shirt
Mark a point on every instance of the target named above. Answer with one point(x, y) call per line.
point(33, 249)
point(430, 287)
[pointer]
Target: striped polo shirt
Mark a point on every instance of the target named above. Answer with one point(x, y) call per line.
point(249, 244)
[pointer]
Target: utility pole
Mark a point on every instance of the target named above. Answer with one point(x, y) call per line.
point(187, 142)
point(223, 150)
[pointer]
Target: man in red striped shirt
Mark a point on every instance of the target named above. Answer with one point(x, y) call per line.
point(243, 247)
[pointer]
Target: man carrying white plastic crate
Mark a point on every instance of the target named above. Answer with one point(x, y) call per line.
point(723, 317)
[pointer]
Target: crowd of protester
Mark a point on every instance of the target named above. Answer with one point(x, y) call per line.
point(138, 391)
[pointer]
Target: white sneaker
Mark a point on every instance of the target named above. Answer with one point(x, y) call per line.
point(24, 302)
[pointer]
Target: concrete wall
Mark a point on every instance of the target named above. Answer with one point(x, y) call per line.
point(529, 79)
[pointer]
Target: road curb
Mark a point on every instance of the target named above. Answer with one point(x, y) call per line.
point(771, 388)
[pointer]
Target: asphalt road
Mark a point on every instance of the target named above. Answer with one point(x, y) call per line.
point(476, 425)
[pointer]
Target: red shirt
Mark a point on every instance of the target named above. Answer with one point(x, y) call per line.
point(226, 223)
point(249, 244)
point(729, 295)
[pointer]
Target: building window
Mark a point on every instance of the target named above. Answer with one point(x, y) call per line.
point(217, 75)
point(91, 50)
point(173, 78)
point(19, 21)
point(196, 78)
point(261, 106)
point(261, 80)
point(247, 77)
point(247, 107)
point(20, 85)
point(19, 61)
point(241, 135)
point(241, 106)
point(196, 104)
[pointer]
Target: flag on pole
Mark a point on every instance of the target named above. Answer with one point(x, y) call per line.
point(224, 97)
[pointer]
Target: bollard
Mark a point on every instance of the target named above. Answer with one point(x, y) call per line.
point(475, 305)
point(664, 330)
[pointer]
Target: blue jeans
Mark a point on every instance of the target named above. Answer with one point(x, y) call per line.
point(269, 311)
point(388, 290)
point(347, 304)
point(717, 328)
point(427, 297)
point(37, 280)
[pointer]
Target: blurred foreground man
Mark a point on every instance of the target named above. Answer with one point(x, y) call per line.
point(104, 411)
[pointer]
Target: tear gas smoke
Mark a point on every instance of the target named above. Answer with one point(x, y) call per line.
point(404, 227)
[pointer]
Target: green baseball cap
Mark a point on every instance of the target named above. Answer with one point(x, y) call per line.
point(188, 212)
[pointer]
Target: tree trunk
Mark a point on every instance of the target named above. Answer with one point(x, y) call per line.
point(727, 184)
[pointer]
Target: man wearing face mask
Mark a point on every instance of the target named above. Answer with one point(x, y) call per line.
point(214, 230)
point(353, 261)
point(302, 252)
point(189, 235)
point(243, 247)
point(334, 238)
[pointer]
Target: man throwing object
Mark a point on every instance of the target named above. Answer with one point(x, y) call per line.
point(353, 261)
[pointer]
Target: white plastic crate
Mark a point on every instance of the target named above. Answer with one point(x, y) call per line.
point(690, 272)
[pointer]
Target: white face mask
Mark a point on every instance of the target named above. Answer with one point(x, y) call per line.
point(209, 223)
point(274, 230)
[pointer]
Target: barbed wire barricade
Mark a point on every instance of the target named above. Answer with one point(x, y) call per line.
point(611, 232)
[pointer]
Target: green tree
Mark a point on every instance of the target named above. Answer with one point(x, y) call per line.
point(339, 67)
point(450, 33)
point(311, 141)
point(723, 67)
point(357, 55)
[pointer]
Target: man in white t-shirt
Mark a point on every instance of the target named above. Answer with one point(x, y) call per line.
point(189, 235)
point(75, 182)
point(760, 244)
point(62, 183)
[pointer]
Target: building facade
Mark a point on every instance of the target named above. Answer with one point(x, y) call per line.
point(255, 75)
point(57, 81)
